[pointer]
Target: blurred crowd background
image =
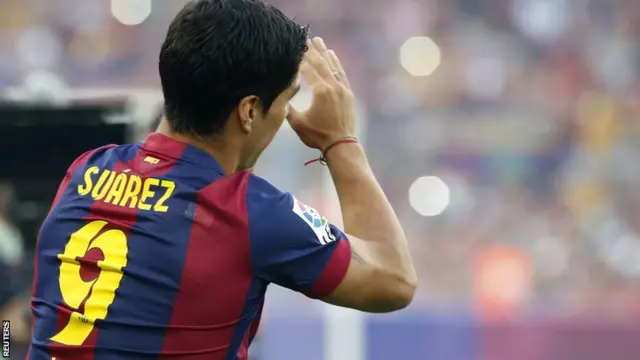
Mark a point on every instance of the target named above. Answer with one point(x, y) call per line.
point(504, 132)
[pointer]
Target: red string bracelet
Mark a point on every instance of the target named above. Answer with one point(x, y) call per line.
point(343, 140)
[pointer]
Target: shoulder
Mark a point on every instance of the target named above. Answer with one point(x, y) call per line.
point(261, 195)
point(280, 213)
point(262, 190)
point(82, 161)
point(245, 184)
point(89, 155)
point(99, 151)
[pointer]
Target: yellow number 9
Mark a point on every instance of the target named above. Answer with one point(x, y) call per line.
point(101, 290)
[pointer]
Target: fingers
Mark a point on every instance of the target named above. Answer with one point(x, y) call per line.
point(324, 62)
point(314, 68)
point(337, 72)
point(310, 74)
point(318, 44)
point(321, 66)
point(315, 56)
point(337, 66)
point(331, 58)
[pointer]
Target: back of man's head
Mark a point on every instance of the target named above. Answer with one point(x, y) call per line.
point(219, 51)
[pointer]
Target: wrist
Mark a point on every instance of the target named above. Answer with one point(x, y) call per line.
point(348, 139)
point(337, 142)
point(347, 151)
point(348, 164)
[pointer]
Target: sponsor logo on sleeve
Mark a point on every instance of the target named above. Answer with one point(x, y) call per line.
point(318, 223)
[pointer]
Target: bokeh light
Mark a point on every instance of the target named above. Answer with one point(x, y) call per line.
point(429, 195)
point(131, 12)
point(420, 56)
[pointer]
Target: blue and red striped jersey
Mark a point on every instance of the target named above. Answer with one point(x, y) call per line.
point(150, 251)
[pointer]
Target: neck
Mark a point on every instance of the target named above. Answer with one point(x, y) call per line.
point(219, 150)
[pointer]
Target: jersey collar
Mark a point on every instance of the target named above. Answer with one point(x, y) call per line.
point(164, 145)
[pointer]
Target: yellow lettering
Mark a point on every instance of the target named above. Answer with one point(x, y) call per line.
point(122, 189)
point(102, 186)
point(169, 186)
point(147, 193)
point(88, 181)
point(100, 292)
point(134, 185)
point(115, 193)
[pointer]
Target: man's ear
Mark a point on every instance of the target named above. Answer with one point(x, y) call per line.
point(247, 111)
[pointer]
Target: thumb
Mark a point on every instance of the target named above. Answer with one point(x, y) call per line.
point(294, 117)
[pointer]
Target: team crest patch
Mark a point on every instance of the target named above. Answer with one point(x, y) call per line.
point(318, 223)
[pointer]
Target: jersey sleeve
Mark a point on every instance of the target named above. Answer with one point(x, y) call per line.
point(292, 245)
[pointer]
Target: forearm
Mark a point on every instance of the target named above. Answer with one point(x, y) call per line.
point(366, 212)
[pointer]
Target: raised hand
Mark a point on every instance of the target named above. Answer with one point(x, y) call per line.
point(332, 113)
